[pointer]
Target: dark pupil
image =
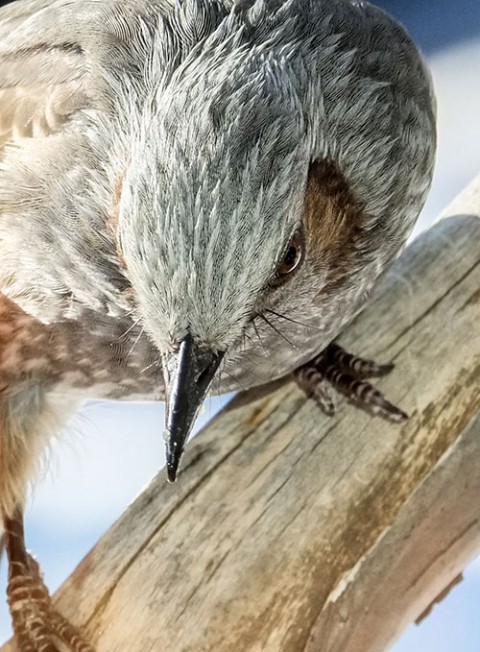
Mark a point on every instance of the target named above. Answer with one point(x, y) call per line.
point(290, 256)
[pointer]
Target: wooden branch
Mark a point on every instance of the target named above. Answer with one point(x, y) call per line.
point(293, 532)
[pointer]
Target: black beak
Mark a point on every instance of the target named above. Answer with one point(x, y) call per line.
point(188, 375)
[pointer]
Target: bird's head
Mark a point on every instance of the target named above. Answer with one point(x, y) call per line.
point(224, 201)
point(210, 220)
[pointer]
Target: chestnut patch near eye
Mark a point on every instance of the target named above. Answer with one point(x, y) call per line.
point(333, 220)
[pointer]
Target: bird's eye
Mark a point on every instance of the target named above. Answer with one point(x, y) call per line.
point(291, 258)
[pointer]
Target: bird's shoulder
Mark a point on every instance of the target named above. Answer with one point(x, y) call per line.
point(51, 60)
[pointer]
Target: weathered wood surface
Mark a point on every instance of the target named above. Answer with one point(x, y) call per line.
point(293, 532)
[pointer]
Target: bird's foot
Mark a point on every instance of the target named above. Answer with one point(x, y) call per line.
point(37, 626)
point(347, 374)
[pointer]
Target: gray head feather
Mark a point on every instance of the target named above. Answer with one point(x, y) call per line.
point(217, 177)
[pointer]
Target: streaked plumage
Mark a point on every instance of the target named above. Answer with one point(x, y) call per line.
point(156, 157)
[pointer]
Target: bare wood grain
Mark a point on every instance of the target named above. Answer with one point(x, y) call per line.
point(294, 532)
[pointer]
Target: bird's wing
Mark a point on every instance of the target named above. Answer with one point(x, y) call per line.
point(52, 58)
point(45, 72)
point(51, 53)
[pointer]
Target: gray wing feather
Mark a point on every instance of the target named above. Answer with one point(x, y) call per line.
point(43, 81)
point(51, 61)
point(50, 57)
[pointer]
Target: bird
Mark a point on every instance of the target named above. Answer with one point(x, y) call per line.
point(196, 196)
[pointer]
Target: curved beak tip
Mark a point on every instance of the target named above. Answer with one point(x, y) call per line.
point(173, 462)
point(172, 473)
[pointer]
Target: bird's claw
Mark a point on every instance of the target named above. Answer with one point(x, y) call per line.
point(38, 627)
point(347, 374)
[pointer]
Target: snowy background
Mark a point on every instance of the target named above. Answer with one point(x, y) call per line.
point(86, 487)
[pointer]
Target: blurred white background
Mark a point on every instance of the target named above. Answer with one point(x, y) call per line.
point(111, 451)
